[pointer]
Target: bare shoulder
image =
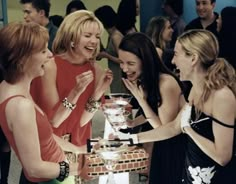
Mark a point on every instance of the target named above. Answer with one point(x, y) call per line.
point(224, 105)
point(18, 109)
point(225, 95)
point(168, 82)
point(19, 104)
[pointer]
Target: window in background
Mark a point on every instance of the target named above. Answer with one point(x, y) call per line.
point(3, 12)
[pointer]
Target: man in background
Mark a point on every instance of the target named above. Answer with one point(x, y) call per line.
point(38, 11)
point(206, 17)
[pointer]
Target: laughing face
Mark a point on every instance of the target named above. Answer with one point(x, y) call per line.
point(35, 67)
point(89, 41)
point(182, 62)
point(204, 8)
point(130, 64)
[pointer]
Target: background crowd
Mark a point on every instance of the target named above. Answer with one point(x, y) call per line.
point(176, 72)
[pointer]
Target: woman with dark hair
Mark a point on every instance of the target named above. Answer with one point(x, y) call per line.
point(208, 119)
point(227, 34)
point(163, 99)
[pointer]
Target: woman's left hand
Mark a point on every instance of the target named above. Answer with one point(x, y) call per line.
point(104, 82)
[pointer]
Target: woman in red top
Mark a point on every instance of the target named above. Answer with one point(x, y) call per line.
point(74, 83)
point(23, 55)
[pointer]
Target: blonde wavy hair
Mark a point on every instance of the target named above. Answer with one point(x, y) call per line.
point(219, 72)
point(71, 30)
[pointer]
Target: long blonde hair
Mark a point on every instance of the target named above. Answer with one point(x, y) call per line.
point(219, 72)
point(71, 30)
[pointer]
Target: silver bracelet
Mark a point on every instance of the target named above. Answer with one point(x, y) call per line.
point(68, 105)
point(92, 105)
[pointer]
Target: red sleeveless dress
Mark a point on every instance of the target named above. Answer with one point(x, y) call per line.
point(65, 81)
point(50, 150)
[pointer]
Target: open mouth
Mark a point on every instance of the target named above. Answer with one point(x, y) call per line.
point(91, 49)
point(45, 63)
point(130, 75)
point(177, 71)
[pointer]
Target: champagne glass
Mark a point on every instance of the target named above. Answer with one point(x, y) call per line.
point(121, 99)
point(116, 115)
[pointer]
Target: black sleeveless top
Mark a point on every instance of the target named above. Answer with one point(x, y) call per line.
point(199, 167)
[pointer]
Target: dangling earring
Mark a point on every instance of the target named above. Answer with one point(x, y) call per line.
point(72, 44)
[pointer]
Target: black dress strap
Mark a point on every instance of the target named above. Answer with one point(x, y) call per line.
point(221, 123)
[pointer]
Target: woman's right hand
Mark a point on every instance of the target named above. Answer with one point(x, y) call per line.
point(104, 82)
point(83, 80)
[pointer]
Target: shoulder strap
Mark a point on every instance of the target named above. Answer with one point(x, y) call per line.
point(229, 126)
point(221, 123)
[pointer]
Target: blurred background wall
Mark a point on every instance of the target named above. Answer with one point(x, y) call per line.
point(58, 7)
point(148, 9)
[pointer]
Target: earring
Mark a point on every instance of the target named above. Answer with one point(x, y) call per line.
point(72, 44)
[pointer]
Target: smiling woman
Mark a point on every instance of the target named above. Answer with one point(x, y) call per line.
point(158, 93)
point(73, 85)
point(22, 121)
point(206, 119)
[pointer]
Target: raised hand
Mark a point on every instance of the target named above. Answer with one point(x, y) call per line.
point(104, 82)
point(135, 89)
point(83, 80)
point(185, 117)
